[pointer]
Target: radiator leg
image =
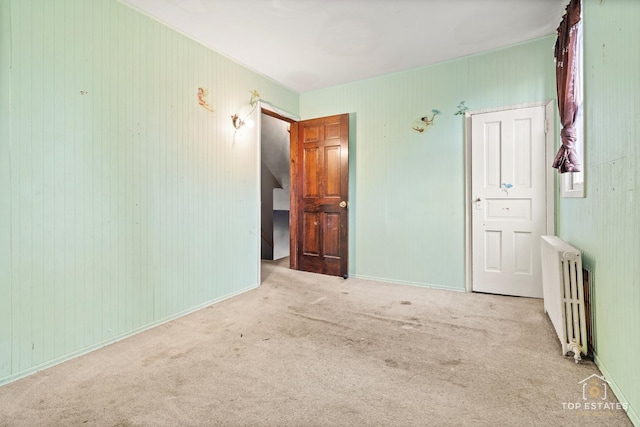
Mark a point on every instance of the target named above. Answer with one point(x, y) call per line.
point(576, 351)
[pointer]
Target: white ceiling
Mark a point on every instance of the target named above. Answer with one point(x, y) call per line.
point(313, 44)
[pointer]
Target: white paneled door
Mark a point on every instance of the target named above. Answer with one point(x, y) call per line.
point(509, 201)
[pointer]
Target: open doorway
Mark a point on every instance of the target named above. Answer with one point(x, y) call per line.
point(275, 186)
point(304, 192)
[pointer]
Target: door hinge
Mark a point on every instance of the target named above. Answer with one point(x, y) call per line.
point(546, 126)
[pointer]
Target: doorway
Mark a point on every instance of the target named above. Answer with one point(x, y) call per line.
point(275, 186)
point(317, 188)
point(509, 198)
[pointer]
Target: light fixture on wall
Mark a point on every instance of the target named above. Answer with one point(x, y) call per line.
point(237, 121)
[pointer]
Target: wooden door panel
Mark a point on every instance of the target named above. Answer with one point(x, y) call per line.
point(311, 187)
point(322, 179)
point(332, 157)
point(311, 239)
point(312, 134)
point(331, 239)
point(332, 131)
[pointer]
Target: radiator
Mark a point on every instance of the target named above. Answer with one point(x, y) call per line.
point(563, 294)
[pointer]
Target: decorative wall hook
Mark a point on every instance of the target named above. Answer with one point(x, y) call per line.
point(255, 97)
point(461, 109)
point(425, 122)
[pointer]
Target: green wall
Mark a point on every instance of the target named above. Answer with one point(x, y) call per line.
point(407, 221)
point(123, 202)
point(606, 223)
point(5, 201)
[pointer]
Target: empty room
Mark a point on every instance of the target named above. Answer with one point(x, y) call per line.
point(318, 212)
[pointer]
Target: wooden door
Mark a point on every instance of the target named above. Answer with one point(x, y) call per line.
point(509, 201)
point(320, 199)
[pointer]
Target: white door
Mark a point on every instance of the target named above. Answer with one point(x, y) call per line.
point(509, 201)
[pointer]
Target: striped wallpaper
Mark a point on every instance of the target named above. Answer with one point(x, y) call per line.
point(124, 202)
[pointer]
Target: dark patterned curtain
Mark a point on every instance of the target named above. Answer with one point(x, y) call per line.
point(566, 68)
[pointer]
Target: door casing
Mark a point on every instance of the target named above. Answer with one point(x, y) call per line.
point(550, 177)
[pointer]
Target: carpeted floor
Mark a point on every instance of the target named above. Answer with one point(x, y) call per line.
point(311, 350)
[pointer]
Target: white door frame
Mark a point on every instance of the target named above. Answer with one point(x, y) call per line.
point(550, 177)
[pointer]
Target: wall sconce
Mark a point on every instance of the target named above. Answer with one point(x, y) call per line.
point(237, 121)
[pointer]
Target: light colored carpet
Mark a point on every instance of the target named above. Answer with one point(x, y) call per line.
point(311, 350)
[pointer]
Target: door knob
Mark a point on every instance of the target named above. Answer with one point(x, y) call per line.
point(343, 204)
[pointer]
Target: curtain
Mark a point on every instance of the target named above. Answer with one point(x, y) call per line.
point(567, 159)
